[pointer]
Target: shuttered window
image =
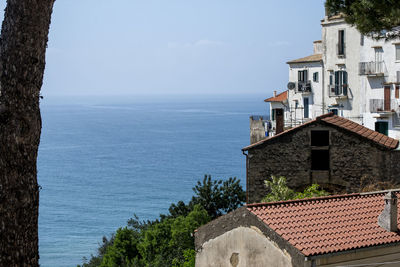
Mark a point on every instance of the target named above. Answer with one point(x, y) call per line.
point(302, 75)
point(315, 77)
point(341, 82)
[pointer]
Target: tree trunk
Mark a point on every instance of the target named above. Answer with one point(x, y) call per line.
point(23, 43)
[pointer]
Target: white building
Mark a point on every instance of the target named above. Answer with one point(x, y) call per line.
point(349, 74)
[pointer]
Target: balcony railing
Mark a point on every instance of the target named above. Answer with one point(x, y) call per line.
point(303, 87)
point(379, 105)
point(373, 68)
point(338, 90)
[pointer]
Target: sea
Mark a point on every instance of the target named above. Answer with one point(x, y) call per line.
point(103, 159)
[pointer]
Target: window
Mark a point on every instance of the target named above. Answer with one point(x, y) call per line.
point(396, 91)
point(378, 54)
point(319, 138)
point(306, 107)
point(315, 76)
point(382, 127)
point(340, 82)
point(302, 76)
point(397, 52)
point(320, 160)
point(341, 43)
point(361, 39)
point(334, 111)
point(273, 115)
point(320, 150)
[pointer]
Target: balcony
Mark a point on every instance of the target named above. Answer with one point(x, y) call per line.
point(338, 91)
point(373, 68)
point(303, 87)
point(382, 106)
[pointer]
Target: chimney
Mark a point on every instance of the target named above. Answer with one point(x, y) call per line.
point(388, 218)
point(274, 93)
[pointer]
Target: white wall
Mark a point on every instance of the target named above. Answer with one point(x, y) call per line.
point(332, 62)
point(315, 97)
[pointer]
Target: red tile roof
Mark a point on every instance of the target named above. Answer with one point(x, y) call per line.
point(328, 224)
point(342, 123)
point(279, 98)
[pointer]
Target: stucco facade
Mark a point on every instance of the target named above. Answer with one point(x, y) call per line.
point(359, 79)
point(304, 105)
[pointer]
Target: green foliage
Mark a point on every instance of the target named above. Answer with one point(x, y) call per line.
point(218, 197)
point(96, 260)
point(124, 250)
point(369, 16)
point(215, 196)
point(190, 257)
point(280, 191)
point(164, 243)
point(169, 241)
point(311, 191)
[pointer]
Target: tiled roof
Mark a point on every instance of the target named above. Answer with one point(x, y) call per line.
point(279, 98)
point(342, 123)
point(356, 128)
point(328, 224)
point(312, 58)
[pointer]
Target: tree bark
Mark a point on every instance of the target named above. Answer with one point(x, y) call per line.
point(23, 43)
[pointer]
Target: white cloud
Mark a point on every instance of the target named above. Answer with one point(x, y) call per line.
point(199, 43)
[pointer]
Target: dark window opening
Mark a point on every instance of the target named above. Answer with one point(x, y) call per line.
point(306, 107)
point(320, 138)
point(334, 111)
point(382, 127)
point(315, 76)
point(341, 44)
point(320, 160)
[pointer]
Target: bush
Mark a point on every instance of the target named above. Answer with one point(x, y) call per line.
point(169, 241)
point(280, 191)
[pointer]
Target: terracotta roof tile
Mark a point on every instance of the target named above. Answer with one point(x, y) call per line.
point(312, 58)
point(328, 224)
point(342, 123)
point(279, 98)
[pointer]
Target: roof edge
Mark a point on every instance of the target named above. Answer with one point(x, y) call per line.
point(322, 198)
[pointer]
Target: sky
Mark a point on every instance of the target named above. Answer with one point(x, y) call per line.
point(128, 47)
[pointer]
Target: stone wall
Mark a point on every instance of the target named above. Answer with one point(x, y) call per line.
point(394, 174)
point(352, 158)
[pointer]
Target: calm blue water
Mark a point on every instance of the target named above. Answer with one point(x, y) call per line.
point(103, 159)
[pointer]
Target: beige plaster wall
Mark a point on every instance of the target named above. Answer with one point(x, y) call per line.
point(240, 247)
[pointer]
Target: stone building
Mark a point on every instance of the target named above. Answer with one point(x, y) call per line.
point(346, 230)
point(331, 151)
